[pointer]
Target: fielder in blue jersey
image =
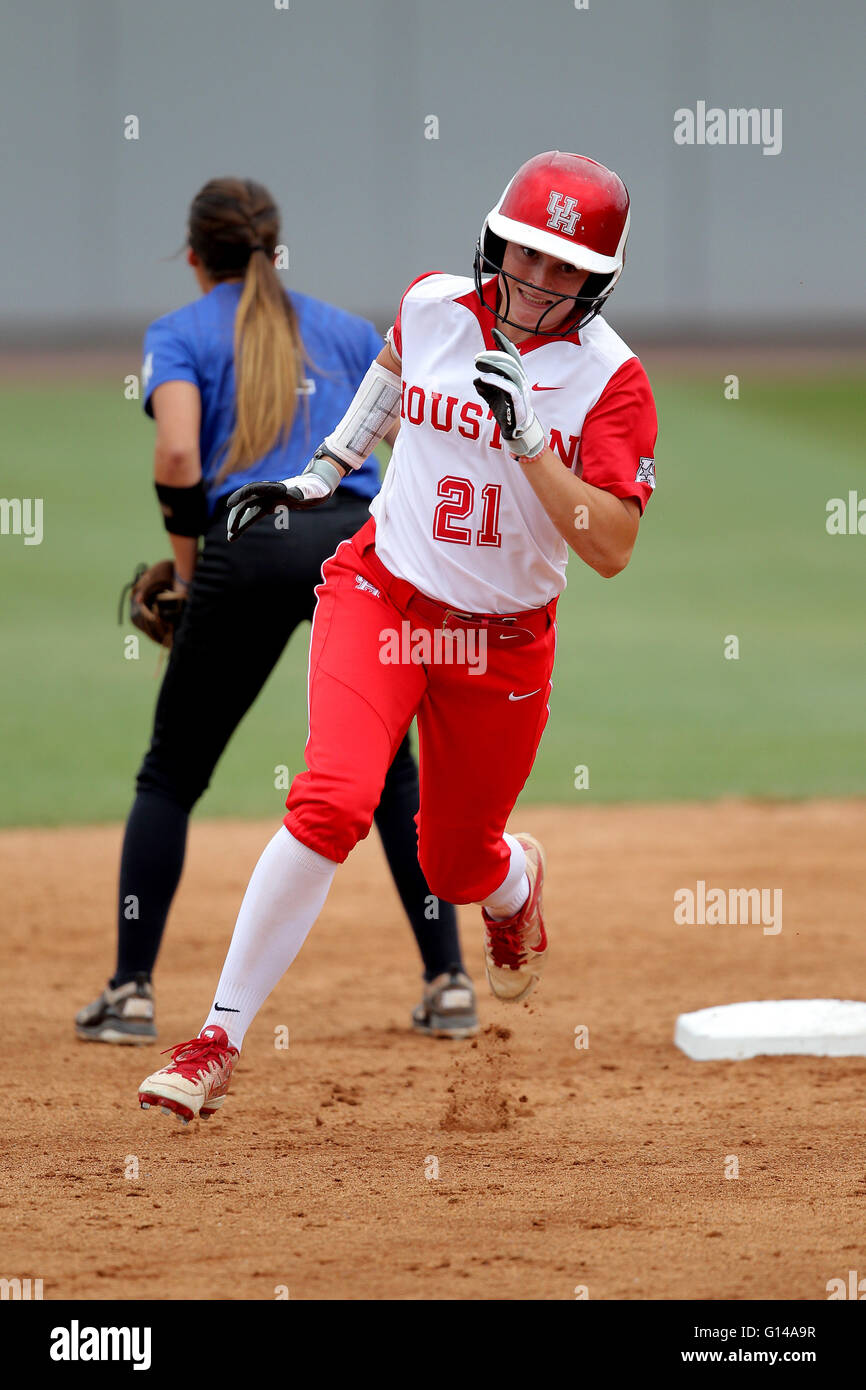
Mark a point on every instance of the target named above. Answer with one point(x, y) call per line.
point(242, 384)
point(196, 344)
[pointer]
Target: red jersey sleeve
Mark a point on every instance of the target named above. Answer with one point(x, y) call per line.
point(618, 442)
point(397, 330)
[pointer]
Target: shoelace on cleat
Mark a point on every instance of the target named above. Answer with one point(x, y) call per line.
point(506, 942)
point(198, 1052)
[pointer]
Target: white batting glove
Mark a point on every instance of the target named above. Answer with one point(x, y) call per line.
point(502, 382)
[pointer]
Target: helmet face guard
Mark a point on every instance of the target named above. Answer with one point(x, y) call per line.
point(489, 255)
point(564, 206)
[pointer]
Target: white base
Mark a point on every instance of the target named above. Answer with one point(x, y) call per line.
point(774, 1027)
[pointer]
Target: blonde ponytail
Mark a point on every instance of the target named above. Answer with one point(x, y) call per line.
point(268, 360)
point(234, 226)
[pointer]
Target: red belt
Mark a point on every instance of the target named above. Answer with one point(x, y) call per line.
point(515, 628)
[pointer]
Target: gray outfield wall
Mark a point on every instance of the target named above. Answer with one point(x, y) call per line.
point(387, 130)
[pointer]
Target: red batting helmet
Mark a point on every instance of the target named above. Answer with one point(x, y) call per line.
point(566, 206)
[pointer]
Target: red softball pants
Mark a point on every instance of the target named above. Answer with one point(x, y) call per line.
point(379, 657)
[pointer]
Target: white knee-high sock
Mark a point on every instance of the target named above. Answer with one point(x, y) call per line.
point(285, 895)
point(514, 888)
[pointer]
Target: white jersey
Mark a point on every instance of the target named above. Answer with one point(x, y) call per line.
point(456, 516)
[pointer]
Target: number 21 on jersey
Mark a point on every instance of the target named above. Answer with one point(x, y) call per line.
point(458, 503)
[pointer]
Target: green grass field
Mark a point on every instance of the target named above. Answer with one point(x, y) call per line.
point(733, 543)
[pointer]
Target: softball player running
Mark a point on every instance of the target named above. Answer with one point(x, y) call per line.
point(527, 428)
point(242, 383)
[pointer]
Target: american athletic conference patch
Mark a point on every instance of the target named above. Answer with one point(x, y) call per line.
point(646, 472)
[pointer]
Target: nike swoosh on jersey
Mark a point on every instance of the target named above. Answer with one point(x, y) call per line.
point(512, 696)
point(536, 387)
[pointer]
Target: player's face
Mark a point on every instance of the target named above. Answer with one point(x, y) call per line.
point(546, 278)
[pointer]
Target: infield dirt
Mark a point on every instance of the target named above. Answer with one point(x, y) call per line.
point(560, 1167)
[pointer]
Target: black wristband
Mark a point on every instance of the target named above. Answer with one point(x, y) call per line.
point(323, 452)
point(184, 509)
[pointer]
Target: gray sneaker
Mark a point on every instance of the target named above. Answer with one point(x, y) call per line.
point(447, 1009)
point(122, 1015)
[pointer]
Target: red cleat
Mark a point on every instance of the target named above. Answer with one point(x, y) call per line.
point(196, 1080)
point(515, 948)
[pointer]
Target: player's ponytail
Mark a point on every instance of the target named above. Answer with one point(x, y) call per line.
point(233, 228)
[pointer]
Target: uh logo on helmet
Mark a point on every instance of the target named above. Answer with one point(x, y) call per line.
point(566, 206)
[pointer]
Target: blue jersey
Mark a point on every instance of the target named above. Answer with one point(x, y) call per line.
point(196, 343)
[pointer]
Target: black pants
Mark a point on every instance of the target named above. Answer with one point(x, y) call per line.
point(246, 600)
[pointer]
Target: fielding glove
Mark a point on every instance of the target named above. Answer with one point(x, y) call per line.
point(156, 601)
